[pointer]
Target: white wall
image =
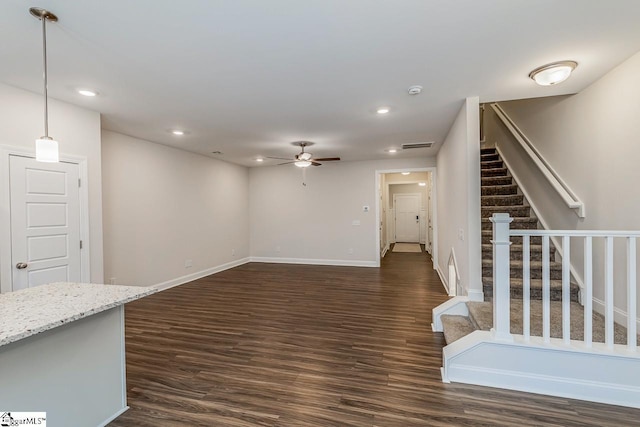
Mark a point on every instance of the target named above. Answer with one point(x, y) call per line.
point(290, 222)
point(458, 196)
point(78, 133)
point(163, 206)
point(592, 140)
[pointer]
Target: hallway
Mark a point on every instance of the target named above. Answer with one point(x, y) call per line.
point(299, 345)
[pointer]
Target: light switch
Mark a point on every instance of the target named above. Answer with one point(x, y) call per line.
point(355, 222)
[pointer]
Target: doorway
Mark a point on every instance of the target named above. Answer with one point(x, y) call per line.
point(396, 213)
point(46, 237)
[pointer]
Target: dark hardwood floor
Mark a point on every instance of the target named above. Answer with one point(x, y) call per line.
point(294, 345)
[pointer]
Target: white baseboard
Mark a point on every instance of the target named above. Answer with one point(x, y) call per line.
point(619, 316)
point(475, 295)
point(200, 274)
point(336, 262)
point(113, 417)
point(385, 250)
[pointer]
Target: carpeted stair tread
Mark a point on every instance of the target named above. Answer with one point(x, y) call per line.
point(535, 285)
point(494, 190)
point(516, 252)
point(496, 180)
point(502, 200)
point(489, 157)
point(493, 172)
point(491, 164)
point(520, 223)
point(455, 327)
point(514, 211)
point(481, 316)
point(491, 150)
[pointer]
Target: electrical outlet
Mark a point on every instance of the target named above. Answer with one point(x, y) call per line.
point(233, 252)
point(461, 234)
point(188, 263)
point(351, 251)
point(278, 249)
point(112, 281)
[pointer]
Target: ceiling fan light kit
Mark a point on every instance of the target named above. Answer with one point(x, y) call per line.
point(304, 159)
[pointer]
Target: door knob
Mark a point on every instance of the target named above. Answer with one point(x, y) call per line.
point(21, 265)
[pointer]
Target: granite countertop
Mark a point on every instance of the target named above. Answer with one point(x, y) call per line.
point(31, 311)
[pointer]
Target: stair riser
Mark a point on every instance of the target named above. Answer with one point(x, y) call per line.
point(489, 157)
point(516, 293)
point(502, 200)
point(501, 190)
point(485, 151)
point(491, 164)
point(517, 255)
point(496, 180)
point(515, 225)
point(522, 211)
point(486, 238)
point(536, 273)
point(486, 173)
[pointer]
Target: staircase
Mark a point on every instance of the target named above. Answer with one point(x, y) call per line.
point(501, 195)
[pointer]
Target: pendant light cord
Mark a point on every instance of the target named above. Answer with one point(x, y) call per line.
point(44, 60)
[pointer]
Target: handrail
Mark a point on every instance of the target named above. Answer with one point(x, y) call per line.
point(453, 260)
point(574, 233)
point(567, 195)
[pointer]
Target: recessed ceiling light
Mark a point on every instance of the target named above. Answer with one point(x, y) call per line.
point(392, 150)
point(554, 73)
point(415, 90)
point(382, 110)
point(406, 173)
point(87, 92)
point(422, 184)
point(177, 132)
point(259, 159)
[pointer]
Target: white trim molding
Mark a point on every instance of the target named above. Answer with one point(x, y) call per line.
point(200, 274)
point(335, 262)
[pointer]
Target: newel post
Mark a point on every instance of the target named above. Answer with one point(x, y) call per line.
point(501, 277)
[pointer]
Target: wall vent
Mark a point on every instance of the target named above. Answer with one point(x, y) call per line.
point(417, 145)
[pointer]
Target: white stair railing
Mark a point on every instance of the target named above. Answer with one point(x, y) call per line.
point(501, 279)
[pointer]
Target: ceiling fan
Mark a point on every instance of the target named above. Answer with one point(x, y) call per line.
point(304, 159)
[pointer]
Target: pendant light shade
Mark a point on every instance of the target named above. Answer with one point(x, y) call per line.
point(47, 150)
point(303, 163)
point(46, 147)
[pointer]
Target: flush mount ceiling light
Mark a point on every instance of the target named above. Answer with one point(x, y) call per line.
point(87, 92)
point(177, 132)
point(554, 73)
point(392, 151)
point(406, 173)
point(382, 110)
point(259, 159)
point(46, 147)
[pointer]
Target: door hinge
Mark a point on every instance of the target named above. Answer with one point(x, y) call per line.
point(80, 244)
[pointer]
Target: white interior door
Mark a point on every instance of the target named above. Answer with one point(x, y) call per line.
point(407, 207)
point(45, 222)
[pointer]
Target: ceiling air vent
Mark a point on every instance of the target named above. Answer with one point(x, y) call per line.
point(417, 145)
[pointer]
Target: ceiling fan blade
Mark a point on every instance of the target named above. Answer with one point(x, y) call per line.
point(326, 159)
point(285, 163)
point(277, 158)
point(315, 163)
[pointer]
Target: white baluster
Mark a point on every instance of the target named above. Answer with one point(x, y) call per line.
point(526, 287)
point(501, 277)
point(588, 290)
point(608, 291)
point(546, 294)
point(566, 291)
point(631, 294)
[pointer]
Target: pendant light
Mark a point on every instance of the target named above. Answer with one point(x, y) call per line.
point(46, 147)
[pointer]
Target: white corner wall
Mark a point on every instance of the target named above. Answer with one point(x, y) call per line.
point(591, 140)
point(458, 192)
point(78, 133)
point(315, 224)
point(164, 206)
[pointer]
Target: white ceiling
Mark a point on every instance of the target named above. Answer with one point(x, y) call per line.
point(247, 77)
